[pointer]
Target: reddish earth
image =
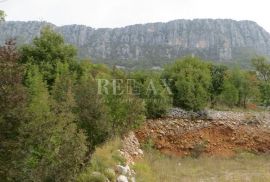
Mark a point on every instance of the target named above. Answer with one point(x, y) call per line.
point(182, 137)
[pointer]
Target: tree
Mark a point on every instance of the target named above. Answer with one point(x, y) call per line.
point(263, 70)
point(2, 16)
point(157, 100)
point(250, 88)
point(265, 94)
point(92, 110)
point(72, 139)
point(229, 94)
point(218, 76)
point(47, 51)
point(126, 112)
point(13, 99)
point(151, 89)
point(52, 147)
point(244, 83)
point(35, 132)
point(191, 82)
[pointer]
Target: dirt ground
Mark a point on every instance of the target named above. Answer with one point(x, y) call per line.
point(184, 137)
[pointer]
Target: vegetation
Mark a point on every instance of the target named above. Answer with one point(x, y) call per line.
point(245, 166)
point(191, 81)
point(150, 87)
point(52, 117)
point(218, 75)
point(2, 15)
point(263, 69)
point(55, 110)
point(104, 158)
point(197, 85)
point(47, 51)
point(13, 100)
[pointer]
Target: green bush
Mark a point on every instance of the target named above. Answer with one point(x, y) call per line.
point(103, 160)
point(151, 89)
point(110, 174)
point(191, 80)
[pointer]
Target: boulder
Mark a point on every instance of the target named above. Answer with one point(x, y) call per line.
point(122, 178)
point(123, 170)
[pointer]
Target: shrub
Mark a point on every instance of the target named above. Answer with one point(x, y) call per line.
point(191, 82)
point(103, 159)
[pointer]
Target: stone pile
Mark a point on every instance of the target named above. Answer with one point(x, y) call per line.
point(230, 117)
point(180, 113)
point(125, 174)
point(220, 132)
point(131, 148)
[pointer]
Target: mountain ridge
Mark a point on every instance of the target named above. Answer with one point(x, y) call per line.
point(125, 26)
point(222, 40)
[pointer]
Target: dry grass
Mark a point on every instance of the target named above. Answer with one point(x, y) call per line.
point(156, 167)
point(245, 167)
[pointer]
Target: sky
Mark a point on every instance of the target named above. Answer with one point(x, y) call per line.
point(119, 13)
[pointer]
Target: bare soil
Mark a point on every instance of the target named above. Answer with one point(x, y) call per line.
point(184, 137)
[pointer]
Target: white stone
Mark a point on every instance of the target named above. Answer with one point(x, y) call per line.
point(140, 151)
point(122, 178)
point(132, 179)
point(124, 170)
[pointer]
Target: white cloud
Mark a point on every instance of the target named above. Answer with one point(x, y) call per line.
point(117, 13)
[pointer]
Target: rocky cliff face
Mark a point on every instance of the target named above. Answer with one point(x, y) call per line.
point(219, 40)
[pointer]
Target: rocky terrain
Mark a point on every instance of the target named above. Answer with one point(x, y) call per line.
point(220, 40)
point(217, 133)
point(131, 151)
point(182, 133)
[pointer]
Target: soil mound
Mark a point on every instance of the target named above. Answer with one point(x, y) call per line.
point(216, 136)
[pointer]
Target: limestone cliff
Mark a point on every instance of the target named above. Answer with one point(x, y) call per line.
point(219, 40)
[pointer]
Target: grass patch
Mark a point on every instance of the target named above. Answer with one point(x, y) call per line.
point(144, 172)
point(106, 158)
point(156, 167)
point(102, 163)
point(244, 167)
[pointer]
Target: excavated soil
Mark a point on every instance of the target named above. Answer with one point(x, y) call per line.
point(185, 137)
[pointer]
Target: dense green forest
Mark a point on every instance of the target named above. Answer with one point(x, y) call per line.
point(53, 114)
